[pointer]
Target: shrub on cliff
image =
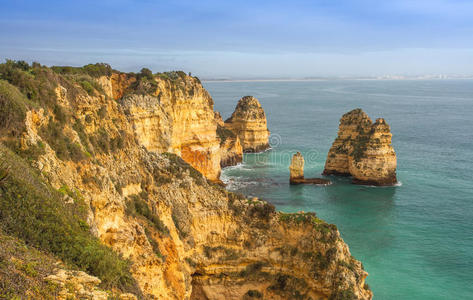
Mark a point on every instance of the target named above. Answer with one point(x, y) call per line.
point(137, 206)
point(33, 211)
point(13, 106)
point(224, 133)
point(94, 70)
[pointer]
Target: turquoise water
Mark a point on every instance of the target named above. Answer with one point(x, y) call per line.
point(416, 239)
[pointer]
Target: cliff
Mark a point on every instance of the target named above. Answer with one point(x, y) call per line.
point(248, 122)
point(184, 237)
point(363, 150)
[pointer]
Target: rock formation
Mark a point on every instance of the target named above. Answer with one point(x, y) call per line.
point(248, 122)
point(297, 172)
point(176, 116)
point(231, 150)
point(186, 238)
point(363, 150)
point(297, 167)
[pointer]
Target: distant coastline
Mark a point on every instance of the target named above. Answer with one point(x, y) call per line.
point(387, 77)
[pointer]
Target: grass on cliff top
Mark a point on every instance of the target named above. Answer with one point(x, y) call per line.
point(34, 212)
point(23, 269)
point(94, 70)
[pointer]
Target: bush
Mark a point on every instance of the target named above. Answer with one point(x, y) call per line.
point(87, 86)
point(65, 149)
point(146, 73)
point(153, 243)
point(13, 107)
point(37, 84)
point(224, 133)
point(178, 166)
point(34, 212)
point(93, 70)
point(137, 206)
point(254, 294)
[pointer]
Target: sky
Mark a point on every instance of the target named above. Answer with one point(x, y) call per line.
point(245, 39)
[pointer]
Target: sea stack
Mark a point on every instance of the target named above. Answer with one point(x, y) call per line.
point(363, 150)
point(297, 172)
point(248, 122)
point(296, 168)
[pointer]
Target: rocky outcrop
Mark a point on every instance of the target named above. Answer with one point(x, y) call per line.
point(248, 122)
point(186, 238)
point(297, 167)
point(363, 150)
point(297, 172)
point(231, 151)
point(176, 116)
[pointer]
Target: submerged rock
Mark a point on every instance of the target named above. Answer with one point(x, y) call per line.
point(248, 122)
point(363, 150)
point(297, 172)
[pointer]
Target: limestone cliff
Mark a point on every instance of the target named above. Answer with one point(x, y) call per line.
point(363, 150)
point(248, 122)
point(186, 237)
point(175, 114)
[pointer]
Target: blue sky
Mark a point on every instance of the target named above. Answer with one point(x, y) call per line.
point(245, 38)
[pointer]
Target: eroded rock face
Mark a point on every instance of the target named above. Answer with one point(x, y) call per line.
point(248, 122)
point(363, 150)
point(177, 117)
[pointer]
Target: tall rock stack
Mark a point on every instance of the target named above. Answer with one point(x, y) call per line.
point(248, 122)
point(363, 150)
point(297, 172)
point(296, 168)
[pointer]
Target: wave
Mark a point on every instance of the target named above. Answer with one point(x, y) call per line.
point(397, 184)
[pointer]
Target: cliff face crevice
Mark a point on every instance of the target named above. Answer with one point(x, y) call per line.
point(186, 237)
point(363, 150)
point(249, 123)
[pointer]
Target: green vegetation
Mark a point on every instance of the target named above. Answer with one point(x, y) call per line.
point(153, 243)
point(65, 149)
point(178, 167)
point(225, 253)
point(224, 133)
point(37, 83)
point(289, 287)
point(33, 211)
point(22, 269)
point(262, 210)
point(359, 146)
point(93, 70)
point(145, 83)
point(253, 294)
point(309, 218)
point(252, 269)
point(13, 107)
point(347, 294)
point(137, 206)
point(172, 75)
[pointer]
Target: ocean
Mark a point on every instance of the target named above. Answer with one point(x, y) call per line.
point(416, 239)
